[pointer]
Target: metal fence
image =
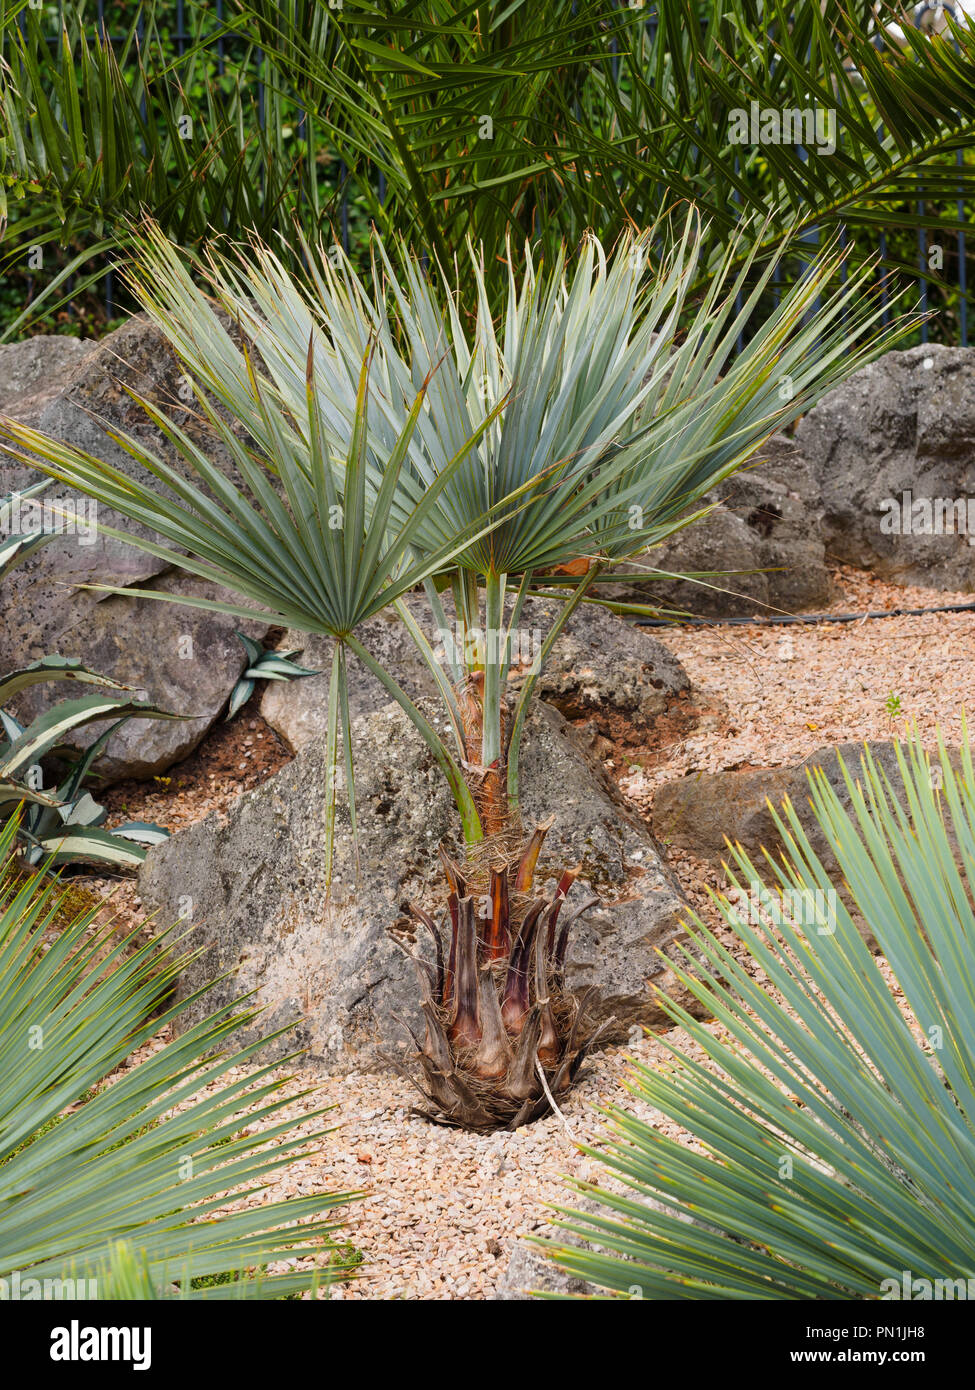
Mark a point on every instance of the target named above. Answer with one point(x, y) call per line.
point(182, 37)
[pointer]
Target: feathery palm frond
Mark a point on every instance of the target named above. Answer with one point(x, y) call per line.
point(600, 115)
point(869, 136)
point(529, 122)
point(95, 129)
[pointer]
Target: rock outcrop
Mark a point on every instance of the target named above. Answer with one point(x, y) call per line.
point(892, 453)
point(761, 544)
point(253, 889)
point(183, 659)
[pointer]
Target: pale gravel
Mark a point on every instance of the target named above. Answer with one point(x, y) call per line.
point(780, 693)
point(443, 1209)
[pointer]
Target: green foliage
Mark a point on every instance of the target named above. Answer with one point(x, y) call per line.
point(832, 1108)
point(116, 1175)
point(64, 824)
point(600, 114)
point(398, 436)
point(94, 132)
point(264, 664)
point(347, 1256)
point(536, 122)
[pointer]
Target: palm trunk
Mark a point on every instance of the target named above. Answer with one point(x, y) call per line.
point(498, 1016)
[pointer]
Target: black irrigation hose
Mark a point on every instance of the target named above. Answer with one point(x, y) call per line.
point(803, 617)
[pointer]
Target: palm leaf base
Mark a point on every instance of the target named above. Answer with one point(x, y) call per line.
point(504, 1038)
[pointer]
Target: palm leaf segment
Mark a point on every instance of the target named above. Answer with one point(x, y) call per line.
point(150, 1158)
point(833, 1109)
point(580, 425)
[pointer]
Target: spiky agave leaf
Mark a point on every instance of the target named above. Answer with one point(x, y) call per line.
point(69, 843)
point(45, 732)
point(834, 1111)
point(263, 663)
point(53, 668)
point(14, 547)
point(64, 825)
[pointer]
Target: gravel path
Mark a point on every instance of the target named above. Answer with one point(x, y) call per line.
point(777, 694)
point(442, 1209)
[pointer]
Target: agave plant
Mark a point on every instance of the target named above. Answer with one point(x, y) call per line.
point(833, 1109)
point(263, 664)
point(15, 547)
point(396, 436)
point(66, 823)
point(91, 1156)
